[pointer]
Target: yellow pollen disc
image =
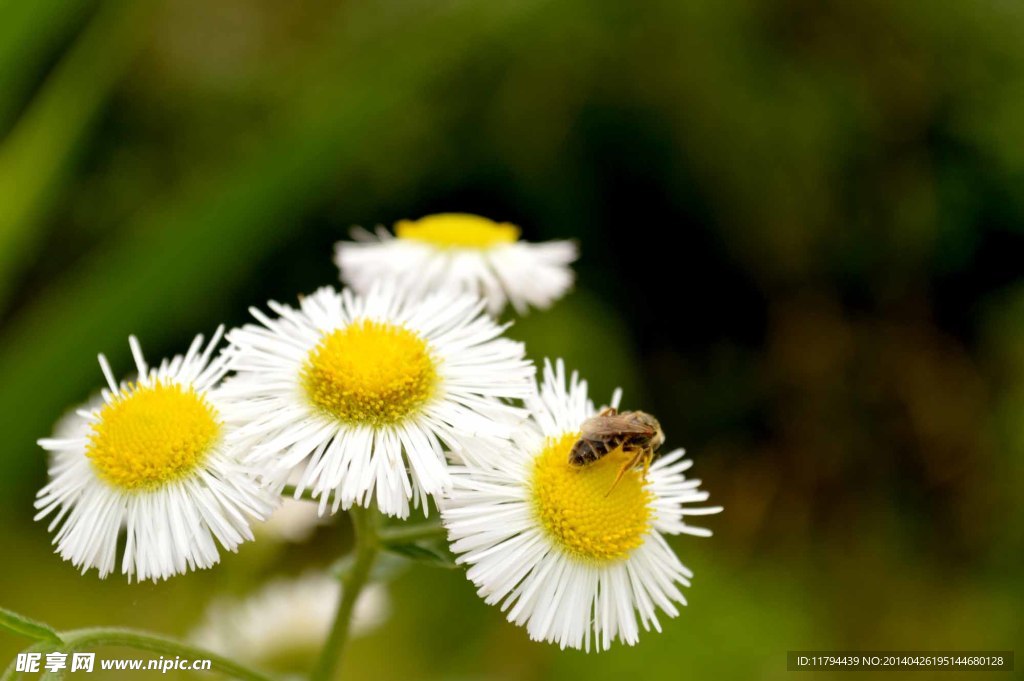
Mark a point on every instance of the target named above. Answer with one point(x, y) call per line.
point(572, 505)
point(457, 230)
point(370, 373)
point(152, 435)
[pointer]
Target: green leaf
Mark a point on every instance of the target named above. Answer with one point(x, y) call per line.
point(89, 639)
point(20, 624)
point(426, 555)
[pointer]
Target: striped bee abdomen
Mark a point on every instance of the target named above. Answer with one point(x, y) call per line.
point(587, 451)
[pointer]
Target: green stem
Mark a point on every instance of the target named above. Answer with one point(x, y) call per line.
point(10, 674)
point(289, 493)
point(94, 637)
point(403, 534)
point(364, 524)
point(80, 639)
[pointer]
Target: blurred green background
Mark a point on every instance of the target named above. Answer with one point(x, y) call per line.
point(835, 330)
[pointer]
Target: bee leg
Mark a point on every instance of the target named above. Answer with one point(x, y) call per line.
point(625, 467)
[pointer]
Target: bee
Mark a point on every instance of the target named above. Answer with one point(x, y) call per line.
point(636, 432)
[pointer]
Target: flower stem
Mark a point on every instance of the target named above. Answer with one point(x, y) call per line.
point(364, 524)
point(91, 638)
point(411, 532)
point(11, 673)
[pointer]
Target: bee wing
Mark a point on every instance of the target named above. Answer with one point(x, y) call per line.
point(598, 427)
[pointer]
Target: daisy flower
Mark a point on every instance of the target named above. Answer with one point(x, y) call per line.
point(362, 394)
point(568, 556)
point(467, 253)
point(286, 621)
point(153, 458)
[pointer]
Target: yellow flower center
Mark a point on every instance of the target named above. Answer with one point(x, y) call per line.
point(152, 435)
point(370, 373)
point(457, 230)
point(576, 510)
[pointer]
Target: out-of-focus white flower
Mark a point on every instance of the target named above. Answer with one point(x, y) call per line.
point(286, 618)
point(467, 253)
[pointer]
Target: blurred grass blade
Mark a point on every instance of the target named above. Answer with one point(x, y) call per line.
point(29, 33)
point(40, 150)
